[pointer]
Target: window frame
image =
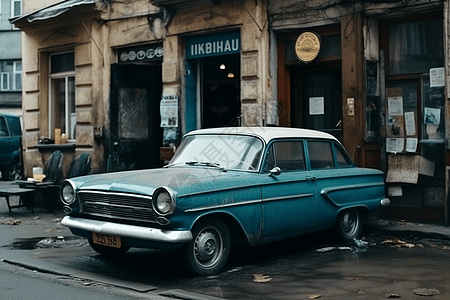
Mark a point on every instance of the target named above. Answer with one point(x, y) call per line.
point(13, 7)
point(2, 75)
point(14, 74)
point(67, 75)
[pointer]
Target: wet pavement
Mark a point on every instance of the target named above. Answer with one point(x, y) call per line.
point(396, 259)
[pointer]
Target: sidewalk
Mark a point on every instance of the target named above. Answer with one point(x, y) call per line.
point(404, 228)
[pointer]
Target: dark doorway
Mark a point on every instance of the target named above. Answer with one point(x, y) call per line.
point(221, 105)
point(135, 132)
point(317, 100)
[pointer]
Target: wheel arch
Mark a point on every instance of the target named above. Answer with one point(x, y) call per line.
point(237, 232)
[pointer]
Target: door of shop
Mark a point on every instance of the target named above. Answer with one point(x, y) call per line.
point(134, 113)
point(317, 100)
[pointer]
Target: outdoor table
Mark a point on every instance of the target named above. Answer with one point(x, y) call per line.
point(17, 191)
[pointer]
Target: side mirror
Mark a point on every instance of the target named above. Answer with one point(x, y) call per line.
point(275, 171)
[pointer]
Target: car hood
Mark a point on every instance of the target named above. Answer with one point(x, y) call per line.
point(181, 180)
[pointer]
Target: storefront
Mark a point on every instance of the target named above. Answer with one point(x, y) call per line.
point(378, 84)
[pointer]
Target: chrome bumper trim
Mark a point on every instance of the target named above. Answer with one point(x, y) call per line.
point(128, 231)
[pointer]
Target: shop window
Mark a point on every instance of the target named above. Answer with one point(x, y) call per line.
point(62, 94)
point(415, 101)
point(415, 47)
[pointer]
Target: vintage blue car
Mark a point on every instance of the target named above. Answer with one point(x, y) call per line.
point(223, 187)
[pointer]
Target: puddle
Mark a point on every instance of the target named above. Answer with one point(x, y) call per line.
point(47, 242)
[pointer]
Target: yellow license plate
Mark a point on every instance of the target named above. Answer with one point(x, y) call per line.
point(106, 240)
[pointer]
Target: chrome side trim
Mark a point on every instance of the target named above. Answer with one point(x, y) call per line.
point(222, 206)
point(128, 231)
point(288, 197)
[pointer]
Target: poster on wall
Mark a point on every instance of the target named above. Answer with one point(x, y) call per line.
point(316, 106)
point(403, 168)
point(410, 123)
point(395, 106)
point(395, 145)
point(169, 111)
point(437, 77)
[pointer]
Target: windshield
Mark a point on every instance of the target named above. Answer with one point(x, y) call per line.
point(231, 152)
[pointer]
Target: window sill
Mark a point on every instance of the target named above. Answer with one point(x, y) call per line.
point(62, 147)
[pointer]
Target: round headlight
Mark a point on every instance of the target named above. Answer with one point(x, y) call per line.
point(67, 193)
point(163, 201)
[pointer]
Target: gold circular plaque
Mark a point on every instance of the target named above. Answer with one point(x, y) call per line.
point(307, 46)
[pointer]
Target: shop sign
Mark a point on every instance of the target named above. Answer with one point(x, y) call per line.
point(307, 46)
point(153, 53)
point(213, 45)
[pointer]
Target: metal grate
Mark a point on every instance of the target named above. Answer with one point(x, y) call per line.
point(117, 206)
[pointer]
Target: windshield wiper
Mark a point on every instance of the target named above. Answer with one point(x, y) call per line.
point(205, 163)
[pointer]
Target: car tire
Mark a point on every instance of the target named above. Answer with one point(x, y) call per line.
point(349, 225)
point(108, 251)
point(13, 171)
point(209, 250)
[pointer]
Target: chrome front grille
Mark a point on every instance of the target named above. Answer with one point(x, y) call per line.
point(117, 205)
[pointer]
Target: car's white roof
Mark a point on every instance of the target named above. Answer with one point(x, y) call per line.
point(267, 133)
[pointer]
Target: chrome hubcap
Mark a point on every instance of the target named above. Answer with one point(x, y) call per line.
point(208, 247)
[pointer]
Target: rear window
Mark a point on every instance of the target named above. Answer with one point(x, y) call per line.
point(320, 155)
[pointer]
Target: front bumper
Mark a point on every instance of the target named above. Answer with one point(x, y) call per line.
point(128, 231)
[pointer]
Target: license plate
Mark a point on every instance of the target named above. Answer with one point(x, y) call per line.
point(106, 240)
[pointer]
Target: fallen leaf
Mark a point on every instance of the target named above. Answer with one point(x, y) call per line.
point(360, 292)
point(355, 278)
point(57, 219)
point(260, 278)
point(425, 292)
point(393, 241)
point(393, 296)
point(314, 296)
point(11, 222)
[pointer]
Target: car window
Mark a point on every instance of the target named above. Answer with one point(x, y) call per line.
point(287, 155)
point(320, 154)
point(341, 158)
point(14, 126)
point(3, 129)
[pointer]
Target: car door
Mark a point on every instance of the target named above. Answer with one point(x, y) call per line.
point(331, 169)
point(289, 198)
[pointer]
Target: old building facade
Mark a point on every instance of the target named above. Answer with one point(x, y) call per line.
point(10, 59)
point(124, 80)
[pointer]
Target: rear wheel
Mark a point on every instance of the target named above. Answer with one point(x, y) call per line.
point(108, 251)
point(349, 225)
point(209, 250)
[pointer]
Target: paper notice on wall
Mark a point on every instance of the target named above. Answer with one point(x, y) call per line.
point(410, 123)
point(316, 106)
point(432, 115)
point(437, 77)
point(395, 106)
point(395, 145)
point(403, 168)
point(169, 111)
point(426, 167)
point(395, 127)
point(411, 144)
point(395, 191)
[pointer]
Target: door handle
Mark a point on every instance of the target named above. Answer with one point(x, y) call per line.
point(312, 178)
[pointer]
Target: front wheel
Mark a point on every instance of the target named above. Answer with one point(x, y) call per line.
point(349, 225)
point(209, 250)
